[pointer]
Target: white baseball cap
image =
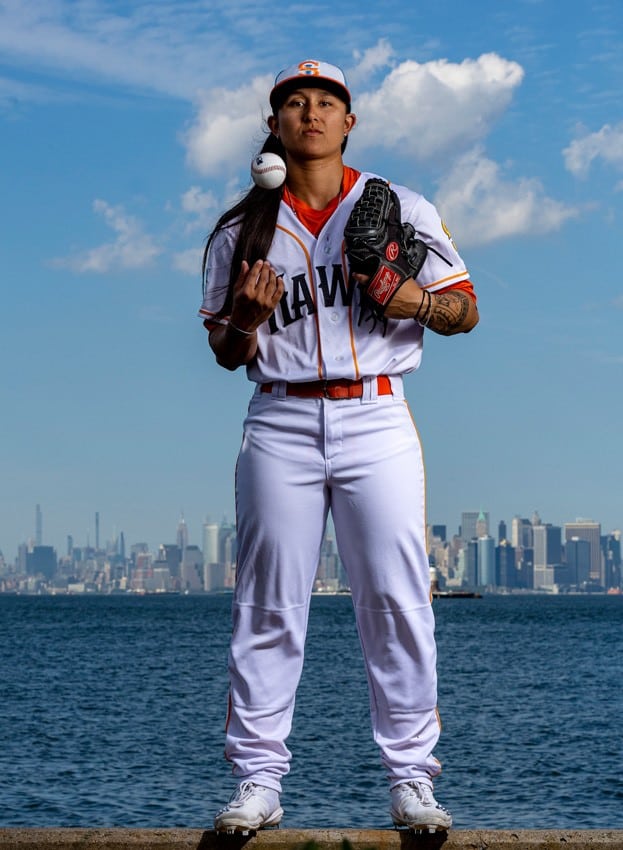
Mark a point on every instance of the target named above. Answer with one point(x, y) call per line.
point(309, 73)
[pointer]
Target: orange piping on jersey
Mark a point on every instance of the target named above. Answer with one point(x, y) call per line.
point(447, 280)
point(419, 439)
point(350, 316)
point(313, 292)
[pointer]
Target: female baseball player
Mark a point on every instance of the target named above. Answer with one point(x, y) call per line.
point(327, 429)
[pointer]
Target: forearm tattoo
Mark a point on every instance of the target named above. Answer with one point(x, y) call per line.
point(449, 311)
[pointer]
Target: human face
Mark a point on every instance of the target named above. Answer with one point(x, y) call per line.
point(312, 123)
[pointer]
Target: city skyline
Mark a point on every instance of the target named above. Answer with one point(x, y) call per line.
point(101, 542)
point(527, 555)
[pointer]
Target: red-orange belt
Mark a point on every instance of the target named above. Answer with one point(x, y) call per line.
point(336, 389)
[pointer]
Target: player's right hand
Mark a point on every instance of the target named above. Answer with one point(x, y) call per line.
point(256, 293)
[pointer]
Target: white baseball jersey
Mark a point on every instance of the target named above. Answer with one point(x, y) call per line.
point(315, 332)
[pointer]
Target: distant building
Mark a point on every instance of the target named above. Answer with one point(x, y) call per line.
point(578, 560)
point(470, 566)
point(611, 551)
point(213, 570)
point(182, 534)
point(501, 531)
point(38, 526)
point(521, 533)
point(41, 561)
point(505, 567)
point(439, 531)
point(191, 570)
point(210, 542)
point(172, 555)
point(548, 568)
point(474, 524)
point(586, 529)
point(486, 561)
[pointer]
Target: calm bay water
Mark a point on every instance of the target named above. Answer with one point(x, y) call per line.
point(112, 712)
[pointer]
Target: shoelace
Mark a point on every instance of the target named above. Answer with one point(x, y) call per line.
point(243, 792)
point(423, 793)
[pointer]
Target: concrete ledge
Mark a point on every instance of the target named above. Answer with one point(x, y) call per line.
point(297, 839)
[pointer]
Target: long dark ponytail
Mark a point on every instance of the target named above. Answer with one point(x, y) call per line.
point(257, 214)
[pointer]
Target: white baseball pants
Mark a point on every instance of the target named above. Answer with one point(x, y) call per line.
point(361, 459)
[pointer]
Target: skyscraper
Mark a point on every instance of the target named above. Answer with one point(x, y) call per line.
point(611, 548)
point(191, 569)
point(501, 531)
point(474, 524)
point(521, 533)
point(210, 542)
point(486, 561)
point(182, 534)
point(213, 572)
point(38, 526)
point(578, 560)
point(586, 529)
point(505, 568)
point(471, 577)
point(547, 555)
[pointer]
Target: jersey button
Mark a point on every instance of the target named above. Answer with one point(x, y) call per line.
point(335, 317)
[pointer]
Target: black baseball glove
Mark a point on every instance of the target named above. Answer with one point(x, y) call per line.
point(380, 246)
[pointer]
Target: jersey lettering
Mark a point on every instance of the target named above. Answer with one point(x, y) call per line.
point(301, 296)
point(329, 291)
point(297, 302)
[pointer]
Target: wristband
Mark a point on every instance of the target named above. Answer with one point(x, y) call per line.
point(239, 330)
point(419, 309)
point(429, 312)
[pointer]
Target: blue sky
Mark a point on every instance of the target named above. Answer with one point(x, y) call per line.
point(126, 127)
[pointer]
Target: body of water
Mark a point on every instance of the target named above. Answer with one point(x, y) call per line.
point(112, 713)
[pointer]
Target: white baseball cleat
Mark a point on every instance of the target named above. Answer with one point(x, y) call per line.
point(250, 807)
point(414, 806)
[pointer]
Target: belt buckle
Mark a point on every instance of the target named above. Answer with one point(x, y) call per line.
point(325, 388)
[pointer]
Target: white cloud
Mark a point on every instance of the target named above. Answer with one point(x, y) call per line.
point(226, 125)
point(200, 206)
point(163, 47)
point(482, 206)
point(605, 144)
point(189, 261)
point(131, 249)
point(14, 91)
point(426, 110)
point(369, 61)
point(196, 201)
point(419, 110)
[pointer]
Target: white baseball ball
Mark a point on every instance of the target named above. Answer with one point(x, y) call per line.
point(268, 170)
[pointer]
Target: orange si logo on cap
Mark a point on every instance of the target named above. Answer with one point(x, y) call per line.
point(309, 68)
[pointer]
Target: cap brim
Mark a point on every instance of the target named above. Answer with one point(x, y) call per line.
point(281, 91)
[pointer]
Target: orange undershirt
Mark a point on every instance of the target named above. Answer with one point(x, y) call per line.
point(315, 220)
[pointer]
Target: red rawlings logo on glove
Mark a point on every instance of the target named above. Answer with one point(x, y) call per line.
point(392, 251)
point(383, 285)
